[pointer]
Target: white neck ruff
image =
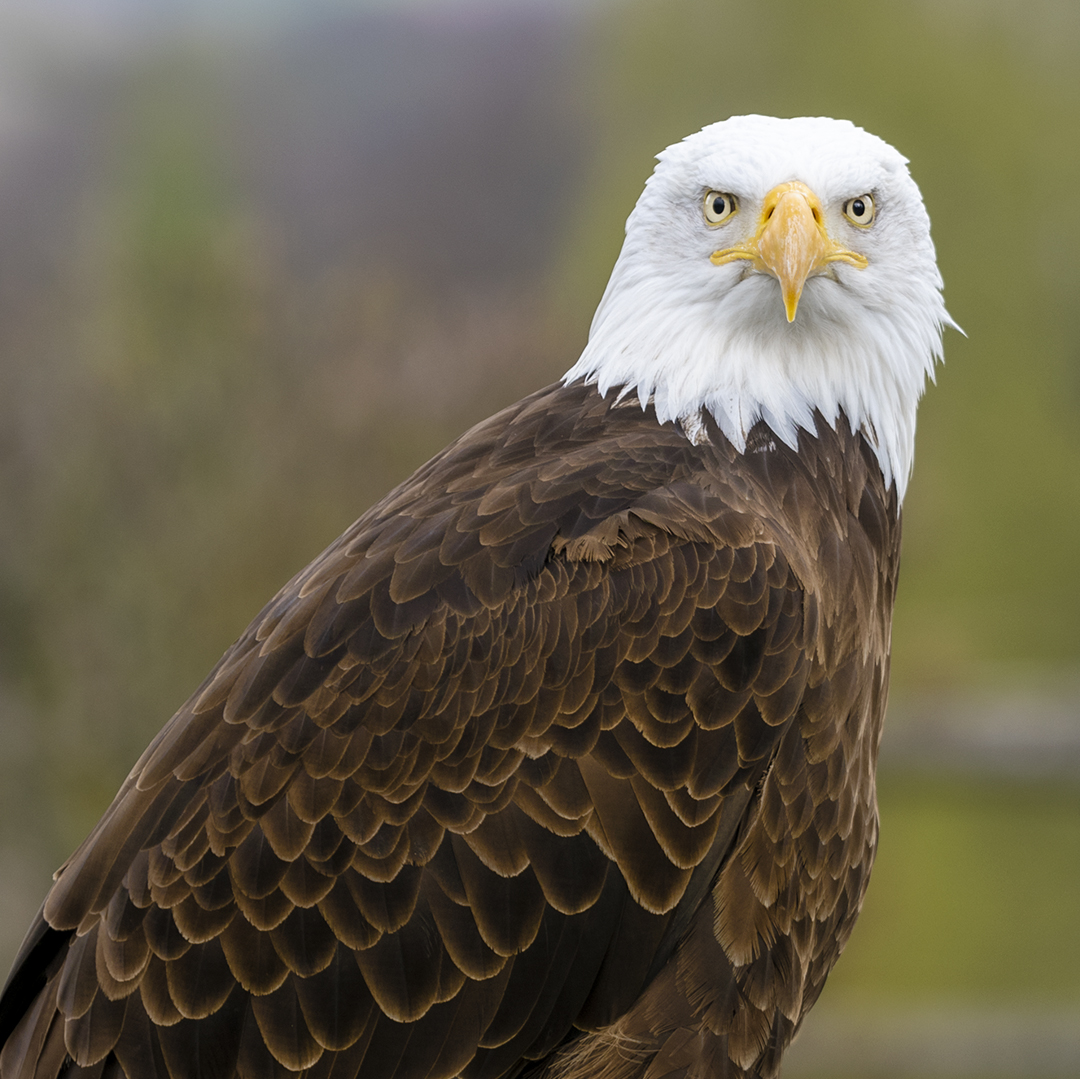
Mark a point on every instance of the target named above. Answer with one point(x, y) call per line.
point(741, 361)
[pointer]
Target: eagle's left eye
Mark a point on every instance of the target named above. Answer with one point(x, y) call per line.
point(860, 211)
point(719, 206)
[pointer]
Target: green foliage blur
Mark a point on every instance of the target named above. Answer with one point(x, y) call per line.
point(196, 396)
point(973, 894)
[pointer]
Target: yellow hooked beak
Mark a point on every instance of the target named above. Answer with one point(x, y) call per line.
point(791, 243)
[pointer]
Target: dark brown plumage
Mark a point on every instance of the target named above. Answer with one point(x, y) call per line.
point(560, 761)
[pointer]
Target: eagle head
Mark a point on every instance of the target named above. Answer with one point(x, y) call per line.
point(776, 269)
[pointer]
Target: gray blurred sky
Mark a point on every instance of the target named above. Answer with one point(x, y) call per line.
point(90, 24)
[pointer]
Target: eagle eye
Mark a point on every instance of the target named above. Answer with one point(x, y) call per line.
point(860, 211)
point(719, 206)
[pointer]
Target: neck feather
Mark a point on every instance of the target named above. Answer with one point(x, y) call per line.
point(741, 362)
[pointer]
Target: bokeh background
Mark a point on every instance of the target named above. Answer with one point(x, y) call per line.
point(259, 260)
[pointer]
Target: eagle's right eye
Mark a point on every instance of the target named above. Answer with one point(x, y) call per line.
point(719, 206)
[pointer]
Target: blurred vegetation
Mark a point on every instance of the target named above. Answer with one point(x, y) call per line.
point(247, 286)
point(973, 896)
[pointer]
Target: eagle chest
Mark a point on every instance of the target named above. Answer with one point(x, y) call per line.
point(792, 676)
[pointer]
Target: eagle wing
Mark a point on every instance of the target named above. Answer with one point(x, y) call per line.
point(456, 794)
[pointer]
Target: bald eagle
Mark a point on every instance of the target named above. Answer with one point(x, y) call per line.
point(560, 762)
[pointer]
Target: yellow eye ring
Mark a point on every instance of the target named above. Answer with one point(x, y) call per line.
point(860, 211)
point(719, 206)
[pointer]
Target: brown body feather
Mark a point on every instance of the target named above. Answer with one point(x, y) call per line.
point(560, 759)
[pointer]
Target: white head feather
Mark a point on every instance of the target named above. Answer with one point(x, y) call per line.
point(689, 335)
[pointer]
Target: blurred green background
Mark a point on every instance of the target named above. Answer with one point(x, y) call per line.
point(259, 261)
